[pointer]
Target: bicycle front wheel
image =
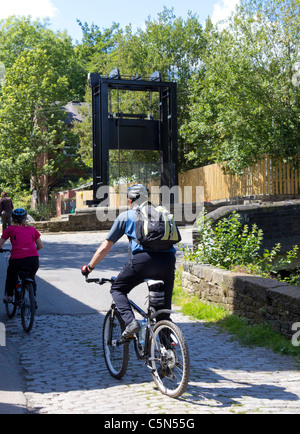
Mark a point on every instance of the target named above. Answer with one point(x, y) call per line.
point(116, 356)
point(170, 359)
point(28, 306)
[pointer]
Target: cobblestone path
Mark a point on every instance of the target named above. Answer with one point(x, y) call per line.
point(65, 373)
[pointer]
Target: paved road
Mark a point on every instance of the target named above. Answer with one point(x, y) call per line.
point(60, 368)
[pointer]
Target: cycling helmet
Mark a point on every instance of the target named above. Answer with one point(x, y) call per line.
point(19, 214)
point(137, 191)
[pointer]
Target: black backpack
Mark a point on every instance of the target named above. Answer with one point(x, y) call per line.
point(155, 227)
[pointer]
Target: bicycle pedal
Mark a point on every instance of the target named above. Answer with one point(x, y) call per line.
point(125, 340)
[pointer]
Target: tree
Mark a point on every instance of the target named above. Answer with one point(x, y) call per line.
point(244, 102)
point(84, 131)
point(19, 34)
point(32, 127)
point(95, 45)
point(166, 44)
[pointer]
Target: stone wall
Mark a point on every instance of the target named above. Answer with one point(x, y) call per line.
point(89, 219)
point(84, 220)
point(280, 221)
point(258, 299)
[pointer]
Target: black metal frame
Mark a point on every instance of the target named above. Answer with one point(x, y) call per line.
point(133, 132)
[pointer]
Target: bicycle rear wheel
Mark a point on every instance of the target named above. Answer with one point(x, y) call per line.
point(27, 306)
point(11, 307)
point(170, 359)
point(116, 356)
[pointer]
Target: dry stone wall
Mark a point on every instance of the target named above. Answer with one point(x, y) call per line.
point(258, 299)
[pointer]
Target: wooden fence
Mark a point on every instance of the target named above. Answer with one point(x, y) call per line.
point(267, 177)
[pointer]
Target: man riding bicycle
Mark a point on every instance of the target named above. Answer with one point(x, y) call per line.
point(143, 264)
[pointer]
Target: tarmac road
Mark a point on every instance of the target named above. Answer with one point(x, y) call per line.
point(59, 369)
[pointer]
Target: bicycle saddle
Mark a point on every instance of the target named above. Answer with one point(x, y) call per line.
point(24, 273)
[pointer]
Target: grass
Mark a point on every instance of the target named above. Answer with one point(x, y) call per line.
point(261, 335)
point(192, 306)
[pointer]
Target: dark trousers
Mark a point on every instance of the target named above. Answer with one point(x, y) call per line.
point(6, 220)
point(144, 265)
point(30, 264)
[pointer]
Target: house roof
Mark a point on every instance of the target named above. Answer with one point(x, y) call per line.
point(72, 110)
point(85, 186)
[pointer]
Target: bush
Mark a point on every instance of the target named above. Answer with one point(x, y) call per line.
point(229, 245)
point(43, 212)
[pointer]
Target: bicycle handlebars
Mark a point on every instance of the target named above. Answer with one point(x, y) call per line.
point(100, 280)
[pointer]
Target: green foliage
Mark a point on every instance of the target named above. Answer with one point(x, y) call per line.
point(39, 81)
point(167, 44)
point(193, 306)
point(243, 100)
point(261, 335)
point(230, 245)
point(236, 94)
point(43, 212)
point(20, 199)
point(84, 131)
point(95, 45)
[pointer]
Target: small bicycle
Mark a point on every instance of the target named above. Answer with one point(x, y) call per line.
point(23, 299)
point(162, 346)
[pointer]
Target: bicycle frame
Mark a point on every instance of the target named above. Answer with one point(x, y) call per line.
point(164, 351)
point(149, 316)
point(27, 305)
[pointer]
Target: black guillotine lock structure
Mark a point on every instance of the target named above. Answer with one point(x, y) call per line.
point(133, 131)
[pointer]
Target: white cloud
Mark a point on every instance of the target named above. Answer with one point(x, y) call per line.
point(35, 8)
point(223, 9)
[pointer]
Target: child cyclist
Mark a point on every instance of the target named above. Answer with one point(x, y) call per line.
point(26, 242)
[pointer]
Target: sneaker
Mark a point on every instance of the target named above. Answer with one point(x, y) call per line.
point(131, 329)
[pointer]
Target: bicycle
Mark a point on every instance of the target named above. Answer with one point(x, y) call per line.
point(163, 348)
point(23, 299)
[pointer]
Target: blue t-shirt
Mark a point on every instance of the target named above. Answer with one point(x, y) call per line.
point(125, 225)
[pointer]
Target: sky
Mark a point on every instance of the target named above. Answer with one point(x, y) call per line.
point(63, 13)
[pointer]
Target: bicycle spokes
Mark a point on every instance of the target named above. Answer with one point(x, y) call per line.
point(115, 355)
point(11, 307)
point(170, 359)
point(27, 306)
